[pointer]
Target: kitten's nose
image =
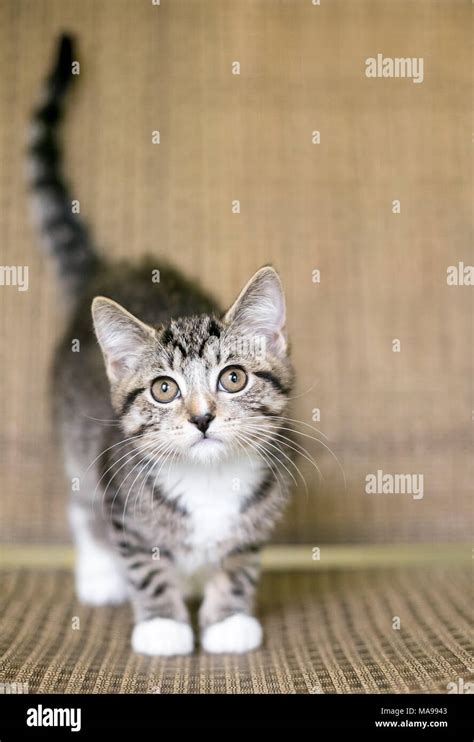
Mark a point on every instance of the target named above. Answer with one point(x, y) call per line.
point(202, 422)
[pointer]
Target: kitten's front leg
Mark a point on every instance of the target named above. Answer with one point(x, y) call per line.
point(225, 616)
point(161, 617)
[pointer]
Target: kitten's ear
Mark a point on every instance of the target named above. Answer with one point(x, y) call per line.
point(260, 310)
point(121, 336)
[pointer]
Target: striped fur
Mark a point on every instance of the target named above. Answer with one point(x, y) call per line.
point(65, 236)
point(165, 504)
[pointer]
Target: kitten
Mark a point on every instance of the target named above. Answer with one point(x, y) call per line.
point(177, 446)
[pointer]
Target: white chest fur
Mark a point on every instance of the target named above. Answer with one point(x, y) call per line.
point(212, 494)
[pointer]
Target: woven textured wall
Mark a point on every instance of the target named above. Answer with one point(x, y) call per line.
point(304, 206)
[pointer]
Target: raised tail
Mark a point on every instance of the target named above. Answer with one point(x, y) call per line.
point(65, 236)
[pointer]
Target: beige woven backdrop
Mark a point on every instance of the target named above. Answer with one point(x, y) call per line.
point(304, 206)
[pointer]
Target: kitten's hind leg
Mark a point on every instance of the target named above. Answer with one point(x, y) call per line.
point(99, 580)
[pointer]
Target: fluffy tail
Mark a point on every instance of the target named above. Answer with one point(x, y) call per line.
point(65, 236)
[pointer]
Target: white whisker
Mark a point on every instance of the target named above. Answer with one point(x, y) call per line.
point(312, 437)
point(267, 443)
point(293, 445)
point(128, 457)
point(265, 454)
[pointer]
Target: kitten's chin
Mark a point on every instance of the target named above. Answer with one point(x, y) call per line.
point(207, 450)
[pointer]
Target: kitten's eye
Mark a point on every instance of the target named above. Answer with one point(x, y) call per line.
point(232, 379)
point(164, 389)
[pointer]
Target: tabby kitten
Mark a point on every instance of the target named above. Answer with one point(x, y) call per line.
point(176, 446)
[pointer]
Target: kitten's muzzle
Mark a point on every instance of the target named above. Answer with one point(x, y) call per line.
point(202, 422)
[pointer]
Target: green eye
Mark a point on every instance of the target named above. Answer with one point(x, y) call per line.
point(232, 379)
point(164, 389)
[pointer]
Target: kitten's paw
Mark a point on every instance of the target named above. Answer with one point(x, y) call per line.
point(99, 580)
point(238, 633)
point(162, 636)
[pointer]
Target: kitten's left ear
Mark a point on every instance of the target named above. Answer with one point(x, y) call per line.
point(122, 337)
point(260, 310)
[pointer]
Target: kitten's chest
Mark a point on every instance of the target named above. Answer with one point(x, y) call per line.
point(212, 497)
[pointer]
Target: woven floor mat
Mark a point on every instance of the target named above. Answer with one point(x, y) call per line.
point(331, 632)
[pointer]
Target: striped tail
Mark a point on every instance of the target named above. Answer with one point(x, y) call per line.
point(65, 237)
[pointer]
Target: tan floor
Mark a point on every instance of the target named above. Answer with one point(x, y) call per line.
point(330, 632)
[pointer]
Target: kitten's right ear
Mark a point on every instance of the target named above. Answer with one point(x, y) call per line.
point(121, 336)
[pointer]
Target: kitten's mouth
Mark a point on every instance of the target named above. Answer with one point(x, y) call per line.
point(207, 444)
point(206, 440)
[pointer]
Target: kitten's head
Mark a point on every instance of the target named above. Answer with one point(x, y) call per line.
point(200, 385)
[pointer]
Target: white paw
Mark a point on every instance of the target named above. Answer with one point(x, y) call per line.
point(162, 636)
point(238, 633)
point(99, 580)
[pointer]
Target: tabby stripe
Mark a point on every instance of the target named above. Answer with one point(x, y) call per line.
point(46, 149)
point(214, 329)
point(245, 549)
point(260, 493)
point(48, 181)
point(201, 347)
point(264, 410)
point(49, 113)
point(147, 579)
point(273, 380)
point(130, 533)
point(167, 337)
point(250, 578)
point(127, 549)
point(183, 350)
point(136, 565)
point(58, 222)
point(160, 589)
point(172, 505)
point(130, 399)
point(140, 430)
point(165, 553)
